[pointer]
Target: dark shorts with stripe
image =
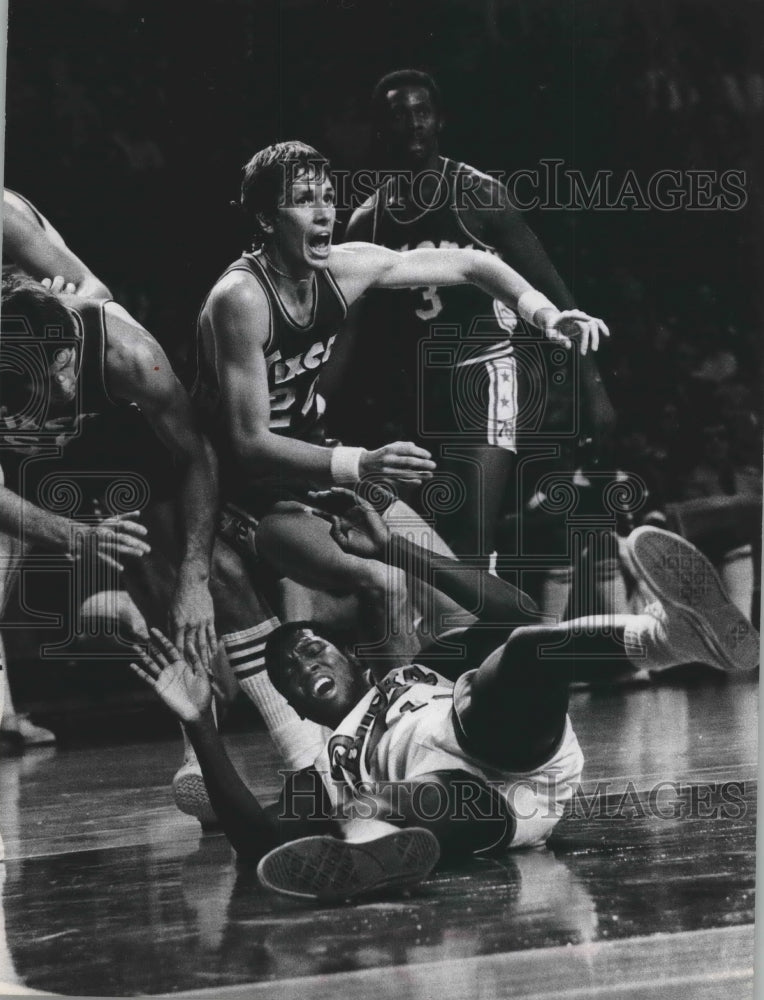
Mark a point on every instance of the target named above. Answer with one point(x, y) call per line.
point(472, 402)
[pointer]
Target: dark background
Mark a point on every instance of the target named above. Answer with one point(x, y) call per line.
point(128, 122)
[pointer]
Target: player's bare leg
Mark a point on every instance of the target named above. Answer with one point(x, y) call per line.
point(513, 708)
point(14, 728)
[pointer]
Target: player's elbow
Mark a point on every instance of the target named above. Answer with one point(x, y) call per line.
point(251, 450)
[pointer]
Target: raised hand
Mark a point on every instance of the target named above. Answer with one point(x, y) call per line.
point(572, 324)
point(401, 461)
point(181, 682)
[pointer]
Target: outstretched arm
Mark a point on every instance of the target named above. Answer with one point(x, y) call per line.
point(359, 266)
point(362, 532)
point(139, 371)
point(42, 252)
point(184, 686)
point(111, 539)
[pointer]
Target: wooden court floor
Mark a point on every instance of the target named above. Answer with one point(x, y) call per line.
point(647, 889)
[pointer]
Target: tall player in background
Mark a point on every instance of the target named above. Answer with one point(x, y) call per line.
point(466, 392)
point(31, 242)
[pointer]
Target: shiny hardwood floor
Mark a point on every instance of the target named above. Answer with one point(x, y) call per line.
point(647, 889)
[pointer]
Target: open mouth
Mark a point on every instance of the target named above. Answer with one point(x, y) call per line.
point(323, 687)
point(320, 245)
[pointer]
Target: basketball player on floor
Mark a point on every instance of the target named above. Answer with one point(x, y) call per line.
point(484, 764)
point(31, 242)
point(468, 405)
point(266, 330)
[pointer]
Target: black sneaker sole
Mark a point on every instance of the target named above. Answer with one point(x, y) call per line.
point(684, 580)
point(330, 870)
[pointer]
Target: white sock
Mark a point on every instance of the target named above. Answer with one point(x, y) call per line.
point(298, 741)
point(646, 643)
point(736, 571)
point(611, 587)
point(359, 831)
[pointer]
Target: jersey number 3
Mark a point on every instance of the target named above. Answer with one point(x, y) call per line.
point(433, 304)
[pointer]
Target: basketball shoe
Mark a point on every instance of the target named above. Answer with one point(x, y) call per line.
point(329, 869)
point(190, 793)
point(700, 622)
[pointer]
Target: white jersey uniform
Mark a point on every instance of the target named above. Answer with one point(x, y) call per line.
point(408, 725)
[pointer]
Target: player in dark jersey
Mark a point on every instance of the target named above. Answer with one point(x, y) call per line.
point(79, 378)
point(456, 376)
point(265, 332)
point(484, 764)
point(31, 243)
point(91, 408)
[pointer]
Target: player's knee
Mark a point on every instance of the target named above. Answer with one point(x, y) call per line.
point(527, 640)
point(276, 528)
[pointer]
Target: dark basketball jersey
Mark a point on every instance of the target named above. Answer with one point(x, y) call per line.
point(33, 430)
point(457, 313)
point(294, 355)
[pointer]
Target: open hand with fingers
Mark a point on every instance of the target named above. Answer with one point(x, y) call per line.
point(180, 681)
point(192, 618)
point(358, 529)
point(112, 539)
point(401, 461)
point(572, 324)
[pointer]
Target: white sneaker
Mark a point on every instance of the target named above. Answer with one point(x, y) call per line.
point(190, 794)
point(701, 623)
point(22, 732)
point(331, 870)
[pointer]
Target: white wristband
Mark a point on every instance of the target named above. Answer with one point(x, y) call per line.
point(530, 302)
point(346, 465)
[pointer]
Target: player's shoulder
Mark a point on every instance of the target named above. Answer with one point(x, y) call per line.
point(236, 292)
point(479, 180)
point(14, 203)
point(137, 366)
point(482, 202)
point(128, 342)
point(476, 192)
